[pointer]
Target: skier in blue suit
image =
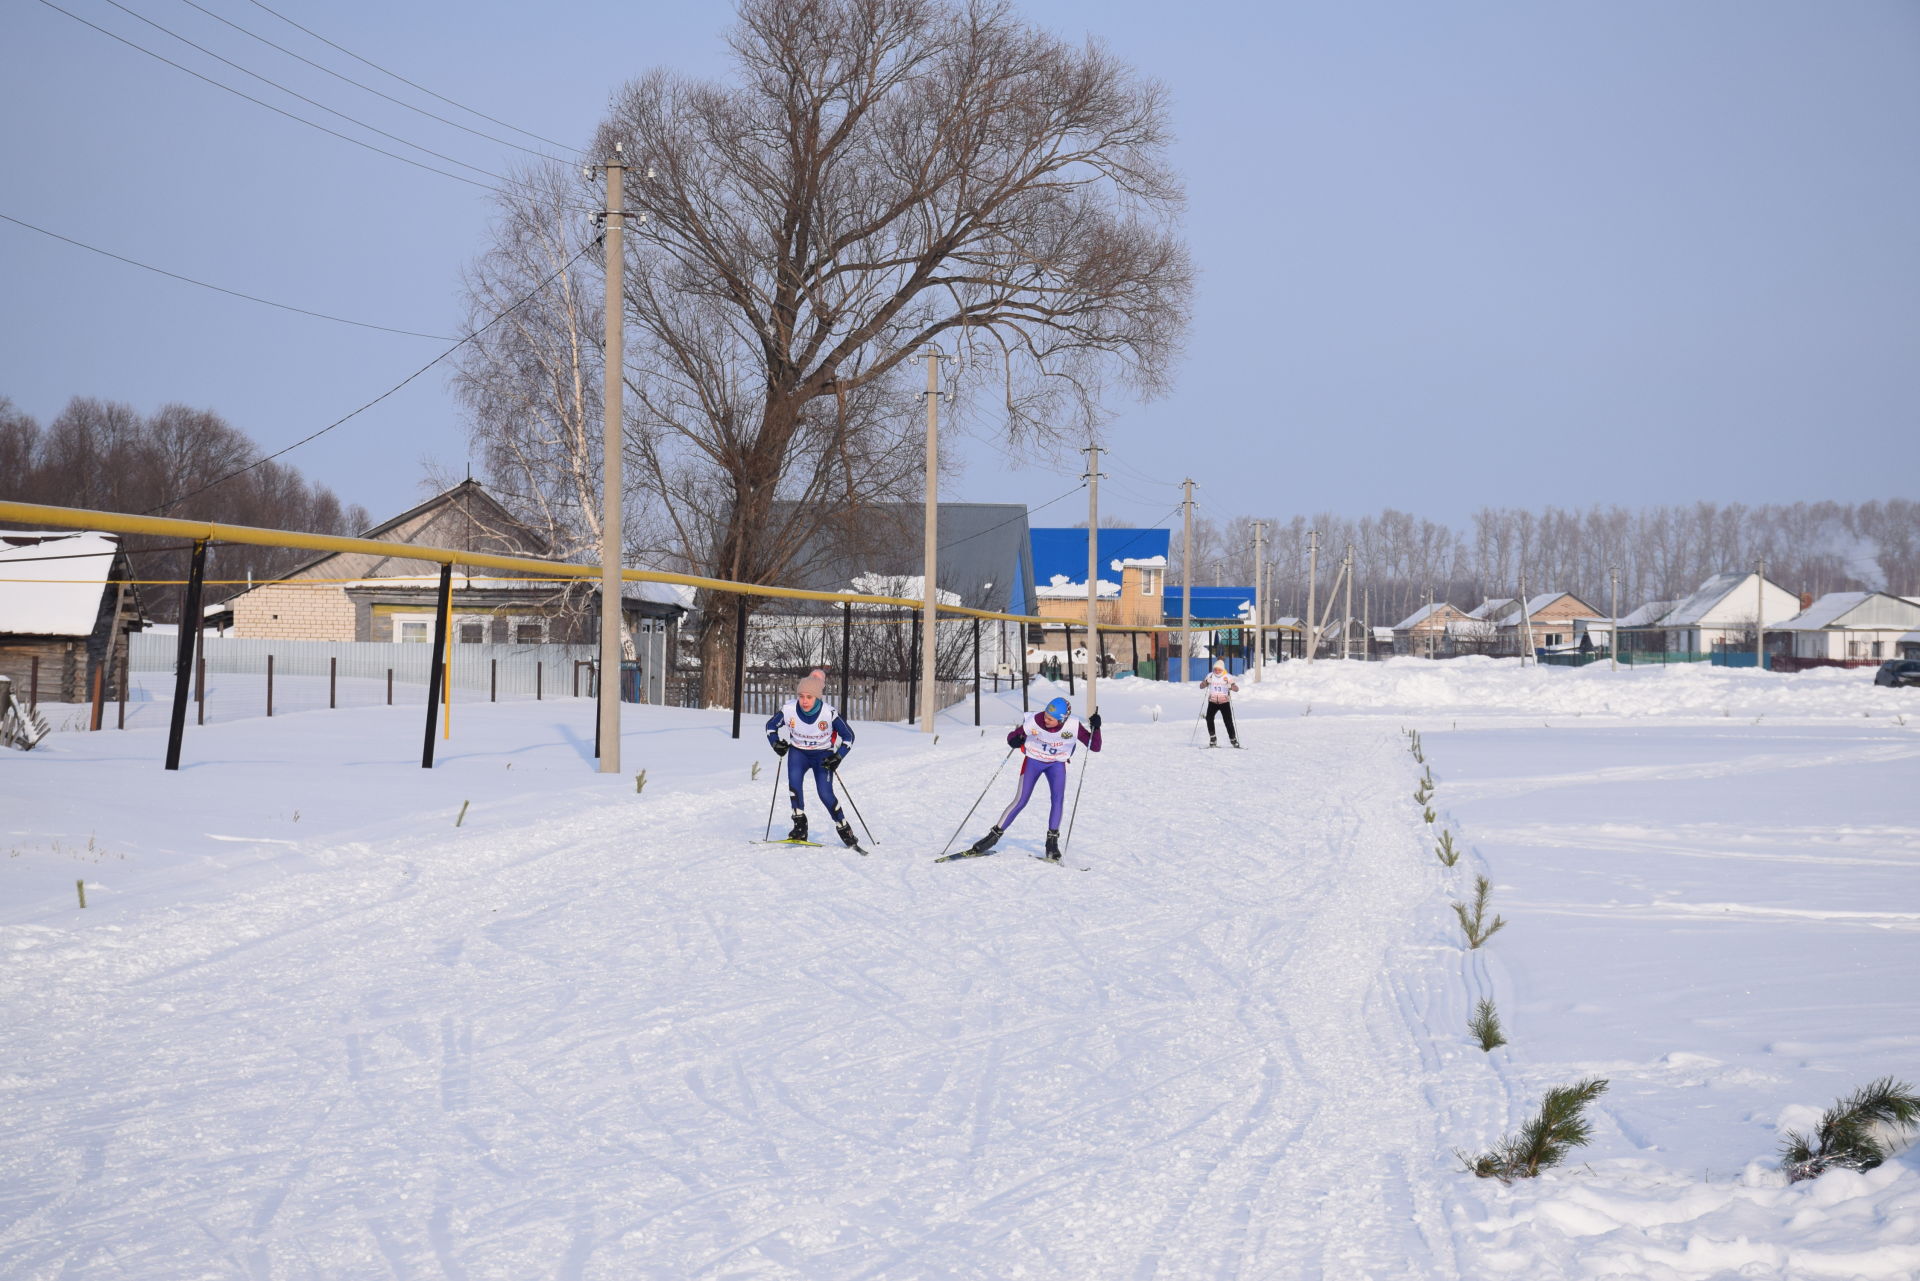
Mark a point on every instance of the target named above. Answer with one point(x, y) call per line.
point(1048, 738)
point(814, 738)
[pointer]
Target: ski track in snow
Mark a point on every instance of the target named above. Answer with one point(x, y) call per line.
point(620, 1043)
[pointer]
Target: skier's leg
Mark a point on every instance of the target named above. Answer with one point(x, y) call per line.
point(1226, 713)
point(1213, 710)
point(823, 783)
point(796, 779)
point(1028, 777)
point(1056, 772)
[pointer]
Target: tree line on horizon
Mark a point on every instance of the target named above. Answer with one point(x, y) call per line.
point(106, 456)
point(1401, 560)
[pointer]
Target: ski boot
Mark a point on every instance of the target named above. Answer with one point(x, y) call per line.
point(1234, 741)
point(1212, 741)
point(1053, 845)
point(986, 842)
point(847, 838)
point(799, 832)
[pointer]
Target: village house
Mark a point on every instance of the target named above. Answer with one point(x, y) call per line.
point(66, 607)
point(1425, 631)
point(1718, 616)
point(366, 596)
point(1843, 627)
point(1132, 599)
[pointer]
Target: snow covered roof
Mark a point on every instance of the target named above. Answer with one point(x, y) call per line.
point(1491, 608)
point(1139, 562)
point(1064, 551)
point(904, 585)
point(51, 583)
point(1060, 587)
point(1648, 614)
point(1833, 610)
point(1420, 616)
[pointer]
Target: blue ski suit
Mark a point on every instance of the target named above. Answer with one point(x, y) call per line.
point(810, 738)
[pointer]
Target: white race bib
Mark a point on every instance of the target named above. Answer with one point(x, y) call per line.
point(805, 737)
point(1050, 744)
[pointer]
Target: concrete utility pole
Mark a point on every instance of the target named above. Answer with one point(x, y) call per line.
point(612, 372)
point(1759, 615)
point(1346, 626)
point(1613, 619)
point(1093, 577)
point(1526, 625)
point(1366, 624)
point(929, 622)
point(1259, 598)
point(1186, 577)
point(1313, 569)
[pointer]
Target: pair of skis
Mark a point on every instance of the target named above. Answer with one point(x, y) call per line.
point(1050, 862)
point(817, 845)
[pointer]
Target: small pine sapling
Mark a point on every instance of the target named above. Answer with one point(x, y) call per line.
point(1853, 1133)
point(1544, 1141)
point(1474, 922)
point(1429, 815)
point(1485, 1026)
point(1446, 851)
point(1423, 793)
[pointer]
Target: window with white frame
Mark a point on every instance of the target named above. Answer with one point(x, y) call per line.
point(527, 629)
point(413, 629)
point(1150, 581)
point(471, 629)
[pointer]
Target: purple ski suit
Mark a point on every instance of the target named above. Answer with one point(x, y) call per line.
point(1047, 752)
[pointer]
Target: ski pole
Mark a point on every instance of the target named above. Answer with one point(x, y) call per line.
point(774, 799)
point(1075, 812)
point(856, 812)
point(1198, 716)
point(976, 802)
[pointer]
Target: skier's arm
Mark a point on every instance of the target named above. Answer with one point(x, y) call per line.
point(1017, 736)
point(845, 732)
point(773, 735)
point(1090, 733)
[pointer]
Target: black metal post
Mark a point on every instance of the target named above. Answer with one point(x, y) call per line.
point(437, 671)
point(976, 671)
point(200, 689)
point(537, 681)
point(739, 658)
point(493, 680)
point(269, 686)
point(1026, 677)
point(183, 653)
point(333, 682)
point(913, 675)
point(846, 649)
point(389, 687)
point(1133, 639)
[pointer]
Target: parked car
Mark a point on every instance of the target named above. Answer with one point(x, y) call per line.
point(1898, 671)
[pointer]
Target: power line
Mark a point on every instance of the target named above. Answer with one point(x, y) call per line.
point(1003, 524)
point(400, 102)
point(260, 462)
point(403, 80)
point(312, 102)
point(267, 302)
point(268, 105)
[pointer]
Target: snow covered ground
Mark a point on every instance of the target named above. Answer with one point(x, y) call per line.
point(308, 1027)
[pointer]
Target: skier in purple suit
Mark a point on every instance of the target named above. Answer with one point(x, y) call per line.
point(1048, 739)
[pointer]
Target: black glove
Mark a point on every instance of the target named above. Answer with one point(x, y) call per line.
point(832, 762)
point(779, 747)
point(1017, 738)
point(1093, 722)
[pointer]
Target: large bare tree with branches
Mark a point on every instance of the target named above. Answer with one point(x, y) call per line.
point(878, 177)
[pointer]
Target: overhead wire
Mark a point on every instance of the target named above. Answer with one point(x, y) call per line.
point(358, 142)
point(294, 93)
point(401, 102)
point(267, 302)
point(422, 88)
point(502, 315)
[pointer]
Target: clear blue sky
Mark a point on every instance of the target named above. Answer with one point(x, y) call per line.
point(1451, 254)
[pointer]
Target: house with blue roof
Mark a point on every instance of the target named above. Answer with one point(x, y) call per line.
point(1131, 576)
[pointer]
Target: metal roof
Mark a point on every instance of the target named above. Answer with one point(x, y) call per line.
point(983, 556)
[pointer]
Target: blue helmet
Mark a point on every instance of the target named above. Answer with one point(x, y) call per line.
point(1059, 709)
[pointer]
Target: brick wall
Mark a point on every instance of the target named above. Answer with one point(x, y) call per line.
point(280, 611)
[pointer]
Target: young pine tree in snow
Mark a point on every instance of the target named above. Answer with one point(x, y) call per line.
point(1544, 1141)
point(1853, 1133)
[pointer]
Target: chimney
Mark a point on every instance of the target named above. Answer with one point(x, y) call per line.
point(1806, 601)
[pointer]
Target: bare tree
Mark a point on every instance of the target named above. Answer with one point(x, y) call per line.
point(881, 174)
